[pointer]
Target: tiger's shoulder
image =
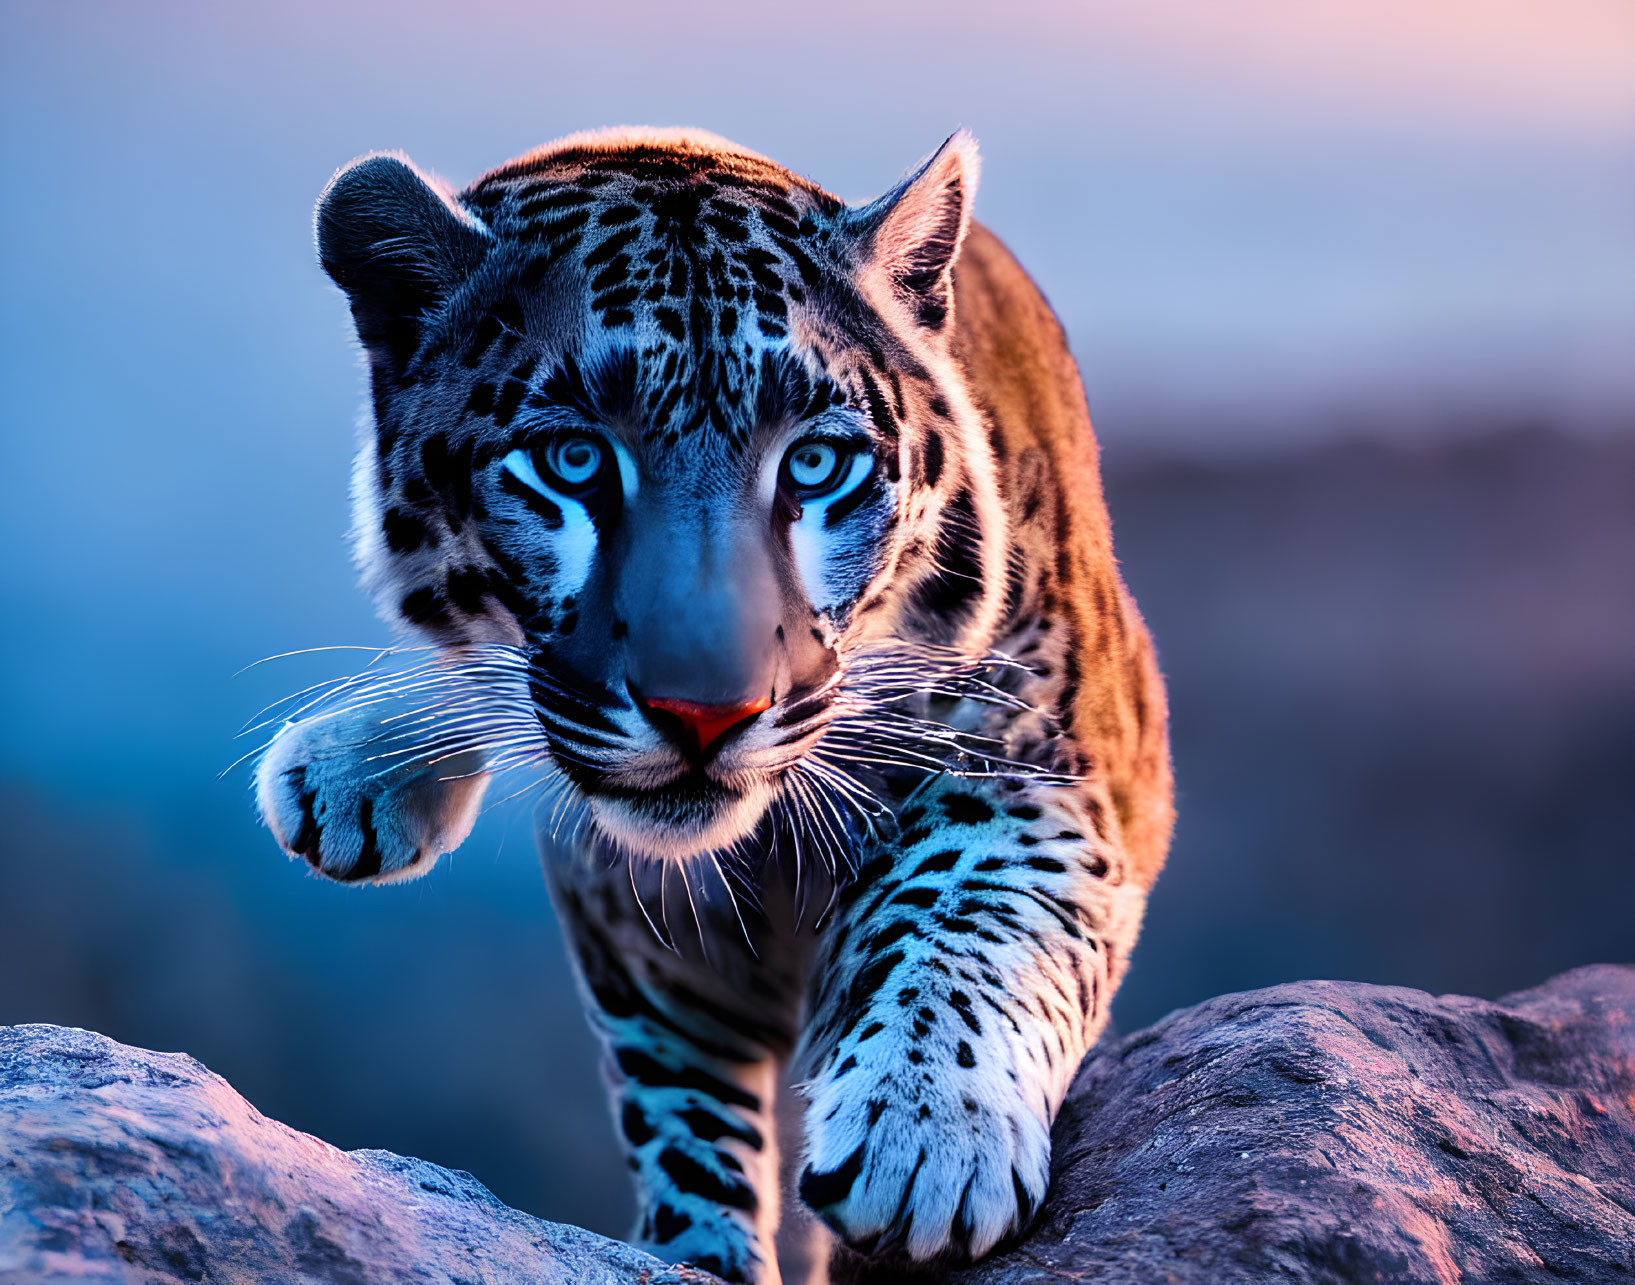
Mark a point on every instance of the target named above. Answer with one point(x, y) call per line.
point(1065, 594)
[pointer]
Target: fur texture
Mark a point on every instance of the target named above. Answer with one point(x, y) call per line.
point(658, 425)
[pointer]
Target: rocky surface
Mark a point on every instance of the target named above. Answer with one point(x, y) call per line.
point(117, 1164)
point(1328, 1131)
point(1314, 1132)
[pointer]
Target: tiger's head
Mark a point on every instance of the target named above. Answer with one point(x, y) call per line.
point(680, 429)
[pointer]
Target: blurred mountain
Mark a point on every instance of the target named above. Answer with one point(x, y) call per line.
point(1402, 685)
point(1403, 695)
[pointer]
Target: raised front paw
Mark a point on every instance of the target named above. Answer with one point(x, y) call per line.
point(331, 797)
point(920, 1158)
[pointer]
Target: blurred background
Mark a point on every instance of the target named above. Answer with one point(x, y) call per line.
point(1353, 288)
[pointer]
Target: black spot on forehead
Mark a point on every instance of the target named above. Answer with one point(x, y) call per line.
point(676, 210)
point(730, 233)
point(603, 390)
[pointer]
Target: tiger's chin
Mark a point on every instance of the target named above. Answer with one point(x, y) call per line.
point(688, 818)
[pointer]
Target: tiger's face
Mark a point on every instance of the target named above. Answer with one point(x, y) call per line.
point(682, 429)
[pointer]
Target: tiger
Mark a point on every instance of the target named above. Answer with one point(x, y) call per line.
point(767, 532)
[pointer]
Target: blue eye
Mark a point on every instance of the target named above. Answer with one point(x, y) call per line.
point(573, 462)
point(814, 468)
point(575, 465)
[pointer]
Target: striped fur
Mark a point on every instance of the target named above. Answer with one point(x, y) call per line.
point(919, 872)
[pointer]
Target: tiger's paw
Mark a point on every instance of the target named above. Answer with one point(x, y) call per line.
point(683, 1228)
point(333, 792)
point(934, 1164)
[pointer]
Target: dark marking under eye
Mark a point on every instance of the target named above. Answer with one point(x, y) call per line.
point(546, 510)
point(849, 503)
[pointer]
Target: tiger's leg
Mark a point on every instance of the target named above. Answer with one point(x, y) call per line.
point(967, 973)
point(694, 1049)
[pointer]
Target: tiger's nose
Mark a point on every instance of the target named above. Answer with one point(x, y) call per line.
point(701, 726)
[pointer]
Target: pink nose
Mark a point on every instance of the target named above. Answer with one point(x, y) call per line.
point(707, 724)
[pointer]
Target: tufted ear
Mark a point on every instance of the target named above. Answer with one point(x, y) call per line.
point(911, 235)
point(399, 244)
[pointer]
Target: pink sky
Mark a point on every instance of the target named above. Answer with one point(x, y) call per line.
point(1268, 213)
point(1562, 64)
point(1540, 64)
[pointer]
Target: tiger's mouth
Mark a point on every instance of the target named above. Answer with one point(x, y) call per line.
point(665, 777)
point(663, 802)
point(822, 762)
point(692, 814)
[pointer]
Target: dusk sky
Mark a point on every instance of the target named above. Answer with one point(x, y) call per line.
point(1262, 223)
point(1253, 216)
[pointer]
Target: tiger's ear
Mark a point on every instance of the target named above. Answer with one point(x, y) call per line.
point(910, 237)
point(399, 244)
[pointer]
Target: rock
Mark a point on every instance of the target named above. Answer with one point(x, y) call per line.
point(117, 1164)
point(1327, 1131)
point(1314, 1132)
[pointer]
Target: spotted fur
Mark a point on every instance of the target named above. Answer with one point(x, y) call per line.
point(916, 874)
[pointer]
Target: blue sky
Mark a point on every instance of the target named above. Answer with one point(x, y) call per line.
point(1261, 223)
